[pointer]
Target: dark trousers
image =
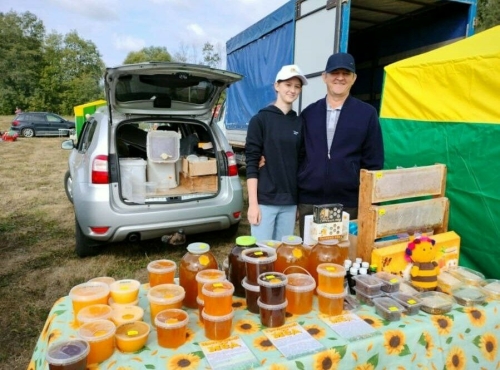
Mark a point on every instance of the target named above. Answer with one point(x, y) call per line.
point(307, 209)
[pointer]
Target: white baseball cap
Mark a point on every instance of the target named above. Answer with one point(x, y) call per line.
point(289, 71)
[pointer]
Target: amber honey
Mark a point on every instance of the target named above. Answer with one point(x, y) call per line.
point(171, 327)
point(161, 272)
point(327, 251)
point(291, 253)
point(330, 304)
point(331, 277)
point(257, 261)
point(88, 294)
point(300, 293)
point(208, 276)
point(218, 298)
point(218, 327)
point(272, 316)
point(163, 297)
point(272, 287)
point(101, 338)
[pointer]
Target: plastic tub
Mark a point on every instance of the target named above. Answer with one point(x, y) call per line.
point(272, 287)
point(272, 316)
point(161, 272)
point(258, 261)
point(218, 327)
point(88, 294)
point(115, 305)
point(218, 298)
point(331, 277)
point(410, 302)
point(492, 288)
point(388, 308)
point(368, 284)
point(467, 275)
point(68, 355)
point(132, 177)
point(124, 314)
point(300, 293)
point(163, 297)
point(132, 336)
point(201, 306)
point(390, 281)
point(436, 303)
point(103, 279)
point(330, 304)
point(208, 276)
point(252, 294)
point(125, 291)
point(469, 295)
point(101, 337)
point(171, 327)
point(94, 312)
point(366, 298)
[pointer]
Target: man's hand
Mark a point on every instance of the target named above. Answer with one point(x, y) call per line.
point(254, 216)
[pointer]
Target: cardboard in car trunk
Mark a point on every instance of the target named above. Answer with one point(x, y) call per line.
point(201, 168)
point(199, 184)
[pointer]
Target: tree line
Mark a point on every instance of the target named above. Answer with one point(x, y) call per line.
point(56, 72)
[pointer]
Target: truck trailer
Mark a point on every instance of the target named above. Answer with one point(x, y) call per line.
point(307, 32)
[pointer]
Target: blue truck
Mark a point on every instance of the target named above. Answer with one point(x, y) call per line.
point(306, 32)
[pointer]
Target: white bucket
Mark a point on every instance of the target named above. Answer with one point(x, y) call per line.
point(133, 179)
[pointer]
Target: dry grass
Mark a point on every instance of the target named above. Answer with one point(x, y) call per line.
point(37, 243)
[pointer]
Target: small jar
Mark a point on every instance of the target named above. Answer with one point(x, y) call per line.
point(272, 288)
point(272, 316)
point(258, 261)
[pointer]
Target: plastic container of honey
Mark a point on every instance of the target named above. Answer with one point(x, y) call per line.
point(388, 308)
point(257, 261)
point(100, 335)
point(272, 316)
point(218, 298)
point(327, 251)
point(171, 327)
point(161, 272)
point(68, 355)
point(94, 312)
point(218, 327)
point(197, 258)
point(201, 306)
point(115, 305)
point(88, 294)
point(291, 253)
point(331, 278)
point(410, 302)
point(125, 291)
point(330, 304)
point(208, 276)
point(163, 297)
point(103, 279)
point(272, 288)
point(300, 293)
point(132, 336)
point(124, 314)
point(446, 282)
point(252, 294)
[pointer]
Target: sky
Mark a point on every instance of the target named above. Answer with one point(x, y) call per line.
point(118, 27)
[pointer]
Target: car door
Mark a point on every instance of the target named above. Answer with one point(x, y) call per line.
point(40, 123)
point(79, 158)
point(56, 123)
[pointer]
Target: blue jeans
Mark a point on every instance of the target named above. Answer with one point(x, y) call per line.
point(276, 222)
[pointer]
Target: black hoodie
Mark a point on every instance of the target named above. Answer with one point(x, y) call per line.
point(277, 137)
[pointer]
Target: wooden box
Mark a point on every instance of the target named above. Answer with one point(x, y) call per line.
point(199, 184)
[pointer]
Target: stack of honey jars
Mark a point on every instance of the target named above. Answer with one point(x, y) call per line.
point(218, 311)
point(203, 277)
point(272, 301)
point(257, 261)
point(330, 288)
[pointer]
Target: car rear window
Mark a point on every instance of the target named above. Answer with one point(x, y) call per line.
point(180, 87)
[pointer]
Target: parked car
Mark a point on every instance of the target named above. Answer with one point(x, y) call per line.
point(31, 124)
point(129, 175)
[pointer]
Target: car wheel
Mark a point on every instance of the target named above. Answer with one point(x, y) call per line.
point(28, 132)
point(68, 186)
point(85, 246)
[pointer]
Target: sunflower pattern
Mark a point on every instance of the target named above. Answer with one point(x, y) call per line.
point(463, 338)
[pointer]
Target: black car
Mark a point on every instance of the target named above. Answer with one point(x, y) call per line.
point(30, 124)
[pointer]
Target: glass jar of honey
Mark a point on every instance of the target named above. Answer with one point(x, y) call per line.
point(197, 258)
point(291, 253)
point(236, 266)
point(327, 251)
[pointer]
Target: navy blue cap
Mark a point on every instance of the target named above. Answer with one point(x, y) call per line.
point(340, 60)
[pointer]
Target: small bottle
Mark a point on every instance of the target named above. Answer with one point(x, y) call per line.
point(356, 265)
point(365, 265)
point(359, 260)
point(352, 282)
point(363, 271)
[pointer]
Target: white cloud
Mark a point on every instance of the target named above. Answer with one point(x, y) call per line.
point(196, 29)
point(95, 9)
point(128, 43)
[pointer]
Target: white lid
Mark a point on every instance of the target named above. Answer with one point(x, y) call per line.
point(253, 288)
point(291, 240)
point(67, 352)
point(198, 248)
point(272, 307)
point(173, 325)
point(353, 271)
point(365, 264)
point(330, 295)
point(268, 279)
point(363, 271)
point(271, 255)
point(211, 318)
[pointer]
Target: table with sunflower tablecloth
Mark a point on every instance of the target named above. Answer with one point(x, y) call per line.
point(464, 338)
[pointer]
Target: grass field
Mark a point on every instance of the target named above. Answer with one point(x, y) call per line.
point(37, 244)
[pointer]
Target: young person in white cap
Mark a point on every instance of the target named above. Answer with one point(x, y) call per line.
point(275, 133)
point(342, 135)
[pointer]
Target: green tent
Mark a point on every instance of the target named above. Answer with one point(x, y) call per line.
point(444, 107)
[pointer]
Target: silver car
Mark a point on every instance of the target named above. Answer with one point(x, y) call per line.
point(152, 162)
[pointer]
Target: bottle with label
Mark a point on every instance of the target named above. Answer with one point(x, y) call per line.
point(291, 253)
point(352, 282)
point(236, 266)
point(197, 258)
point(326, 251)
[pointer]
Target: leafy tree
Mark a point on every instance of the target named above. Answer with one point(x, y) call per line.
point(149, 54)
point(488, 14)
point(210, 56)
point(21, 53)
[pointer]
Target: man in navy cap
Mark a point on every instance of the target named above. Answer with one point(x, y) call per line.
point(341, 135)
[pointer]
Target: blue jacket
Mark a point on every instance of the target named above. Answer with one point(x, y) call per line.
point(357, 144)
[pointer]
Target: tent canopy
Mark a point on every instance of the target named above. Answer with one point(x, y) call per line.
point(442, 107)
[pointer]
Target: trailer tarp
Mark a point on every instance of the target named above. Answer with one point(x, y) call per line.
point(442, 107)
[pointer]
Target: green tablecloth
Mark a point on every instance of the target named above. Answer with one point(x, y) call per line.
point(464, 338)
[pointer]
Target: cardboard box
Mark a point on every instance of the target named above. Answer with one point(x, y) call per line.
point(313, 232)
point(199, 184)
point(392, 258)
point(199, 168)
point(327, 213)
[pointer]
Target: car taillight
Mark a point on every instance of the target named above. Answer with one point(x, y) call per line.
point(99, 229)
point(232, 167)
point(15, 123)
point(100, 173)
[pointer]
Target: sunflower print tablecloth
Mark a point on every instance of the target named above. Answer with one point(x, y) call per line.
point(464, 338)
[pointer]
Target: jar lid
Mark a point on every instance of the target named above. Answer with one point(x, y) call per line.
point(198, 248)
point(245, 241)
point(291, 240)
point(211, 318)
point(299, 282)
point(253, 288)
point(329, 242)
point(272, 279)
point(172, 318)
point(330, 295)
point(89, 291)
point(67, 352)
point(259, 256)
point(164, 294)
point(97, 331)
point(331, 270)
